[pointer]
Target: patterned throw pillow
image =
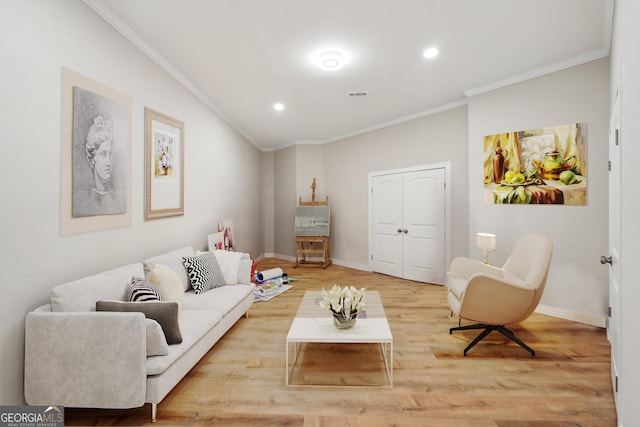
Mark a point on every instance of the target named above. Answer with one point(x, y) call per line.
point(141, 290)
point(204, 272)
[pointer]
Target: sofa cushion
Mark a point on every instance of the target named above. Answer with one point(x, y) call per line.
point(82, 294)
point(141, 290)
point(222, 299)
point(203, 272)
point(164, 312)
point(173, 260)
point(156, 342)
point(168, 282)
point(195, 324)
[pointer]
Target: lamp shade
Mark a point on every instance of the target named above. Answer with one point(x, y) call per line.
point(486, 241)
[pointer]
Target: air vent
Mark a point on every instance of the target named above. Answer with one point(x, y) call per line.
point(359, 93)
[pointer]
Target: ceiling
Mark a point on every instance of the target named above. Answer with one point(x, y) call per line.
point(242, 56)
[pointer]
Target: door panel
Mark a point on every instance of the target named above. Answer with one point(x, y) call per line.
point(613, 324)
point(423, 218)
point(408, 225)
point(387, 219)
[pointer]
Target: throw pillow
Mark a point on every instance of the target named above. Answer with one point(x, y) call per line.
point(204, 272)
point(163, 312)
point(141, 290)
point(156, 342)
point(168, 283)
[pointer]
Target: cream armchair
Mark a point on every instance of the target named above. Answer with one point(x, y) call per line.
point(493, 296)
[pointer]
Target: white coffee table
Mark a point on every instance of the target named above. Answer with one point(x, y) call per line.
point(313, 324)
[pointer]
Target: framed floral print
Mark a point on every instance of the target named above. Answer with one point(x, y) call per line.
point(164, 166)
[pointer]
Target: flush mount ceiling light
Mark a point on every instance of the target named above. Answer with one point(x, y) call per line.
point(278, 106)
point(432, 52)
point(330, 59)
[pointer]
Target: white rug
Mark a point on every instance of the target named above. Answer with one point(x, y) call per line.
point(258, 296)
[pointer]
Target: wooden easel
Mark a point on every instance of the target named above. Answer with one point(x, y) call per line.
point(313, 245)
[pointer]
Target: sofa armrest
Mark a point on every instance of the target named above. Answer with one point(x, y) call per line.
point(88, 359)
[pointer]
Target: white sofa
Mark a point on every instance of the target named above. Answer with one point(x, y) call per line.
point(76, 356)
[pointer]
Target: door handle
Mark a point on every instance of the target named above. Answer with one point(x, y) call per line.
point(405, 231)
point(399, 230)
point(606, 260)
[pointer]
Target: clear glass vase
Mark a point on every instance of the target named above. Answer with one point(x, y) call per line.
point(344, 322)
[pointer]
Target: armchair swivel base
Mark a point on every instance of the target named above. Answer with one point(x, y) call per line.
point(487, 330)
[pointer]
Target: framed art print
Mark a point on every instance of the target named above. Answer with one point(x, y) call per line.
point(164, 171)
point(96, 156)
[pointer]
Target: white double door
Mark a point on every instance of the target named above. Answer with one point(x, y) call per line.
point(407, 221)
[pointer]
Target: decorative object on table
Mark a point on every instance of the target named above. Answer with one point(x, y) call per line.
point(269, 289)
point(537, 166)
point(164, 179)
point(216, 241)
point(272, 273)
point(498, 164)
point(226, 228)
point(96, 156)
point(344, 304)
point(311, 230)
point(486, 242)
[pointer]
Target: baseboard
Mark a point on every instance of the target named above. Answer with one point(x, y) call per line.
point(339, 262)
point(589, 319)
point(280, 256)
point(349, 264)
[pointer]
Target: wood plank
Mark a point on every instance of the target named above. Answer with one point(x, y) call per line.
point(241, 380)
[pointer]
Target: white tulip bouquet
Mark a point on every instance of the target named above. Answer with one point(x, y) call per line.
point(343, 303)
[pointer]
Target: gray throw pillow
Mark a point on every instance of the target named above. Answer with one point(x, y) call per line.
point(163, 312)
point(204, 272)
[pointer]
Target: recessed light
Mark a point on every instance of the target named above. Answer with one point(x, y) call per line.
point(278, 106)
point(432, 52)
point(330, 59)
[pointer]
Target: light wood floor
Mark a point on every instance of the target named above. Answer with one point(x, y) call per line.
point(241, 381)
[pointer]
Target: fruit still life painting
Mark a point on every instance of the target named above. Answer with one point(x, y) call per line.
point(540, 166)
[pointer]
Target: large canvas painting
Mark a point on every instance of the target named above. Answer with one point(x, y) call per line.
point(312, 221)
point(96, 155)
point(540, 166)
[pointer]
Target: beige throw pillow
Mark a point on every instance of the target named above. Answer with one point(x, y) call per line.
point(168, 282)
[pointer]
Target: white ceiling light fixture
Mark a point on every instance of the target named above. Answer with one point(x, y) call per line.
point(278, 106)
point(431, 52)
point(330, 59)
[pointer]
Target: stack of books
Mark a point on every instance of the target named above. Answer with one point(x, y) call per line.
point(268, 288)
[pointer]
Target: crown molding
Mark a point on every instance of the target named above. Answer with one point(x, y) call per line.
point(539, 72)
point(110, 18)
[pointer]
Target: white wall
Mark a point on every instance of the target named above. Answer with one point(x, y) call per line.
point(310, 164)
point(342, 170)
point(577, 282)
point(268, 202)
point(222, 169)
point(625, 75)
point(432, 139)
point(286, 199)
